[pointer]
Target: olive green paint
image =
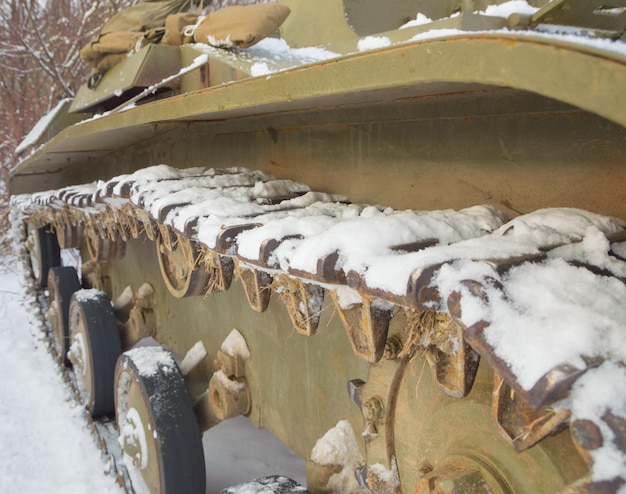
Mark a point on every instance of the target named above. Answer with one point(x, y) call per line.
point(298, 383)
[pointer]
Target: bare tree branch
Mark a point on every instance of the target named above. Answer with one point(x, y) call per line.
point(50, 66)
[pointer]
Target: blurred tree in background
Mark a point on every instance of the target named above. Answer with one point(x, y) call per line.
point(39, 63)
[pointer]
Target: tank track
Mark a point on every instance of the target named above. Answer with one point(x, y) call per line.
point(449, 273)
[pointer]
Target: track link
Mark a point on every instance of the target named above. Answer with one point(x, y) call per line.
point(456, 276)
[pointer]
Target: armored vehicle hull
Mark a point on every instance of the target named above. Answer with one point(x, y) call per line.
point(455, 162)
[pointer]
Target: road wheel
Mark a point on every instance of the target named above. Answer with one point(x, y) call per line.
point(433, 442)
point(44, 251)
point(94, 346)
point(159, 433)
point(62, 283)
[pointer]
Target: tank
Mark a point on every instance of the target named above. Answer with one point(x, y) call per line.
point(402, 252)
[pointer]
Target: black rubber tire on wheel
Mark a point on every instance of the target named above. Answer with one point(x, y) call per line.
point(45, 253)
point(94, 349)
point(62, 283)
point(159, 434)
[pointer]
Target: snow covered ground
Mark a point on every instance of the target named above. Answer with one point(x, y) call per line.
point(45, 443)
point(46, 446)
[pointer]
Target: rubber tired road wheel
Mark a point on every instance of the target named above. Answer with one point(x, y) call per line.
point(159, 433)
point(451, 441)
point(62, 283)
point(94, 346)
point(44, 250)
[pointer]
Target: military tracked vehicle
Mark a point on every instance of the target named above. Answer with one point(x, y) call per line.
point(401, 251)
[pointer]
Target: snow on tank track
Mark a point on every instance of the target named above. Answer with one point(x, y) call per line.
point(541, 297)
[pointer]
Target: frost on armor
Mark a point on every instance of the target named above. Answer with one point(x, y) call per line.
point(193, 357)
point(235, 345)
point(338, 448)
point(149, 359)
point(86, 295)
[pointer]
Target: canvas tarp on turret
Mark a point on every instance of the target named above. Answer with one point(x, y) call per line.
point(240, 26)
point(171, 22)
point(128, 30)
